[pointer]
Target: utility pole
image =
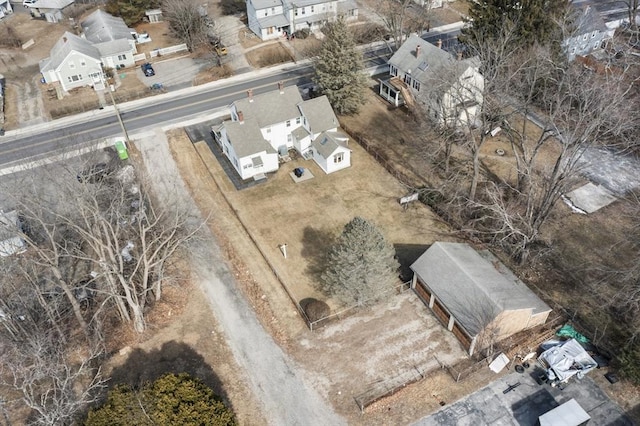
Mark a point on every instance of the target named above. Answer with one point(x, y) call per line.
point(293, 30)
point(115, 107)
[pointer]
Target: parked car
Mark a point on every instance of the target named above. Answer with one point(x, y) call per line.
point(147, 69)
point(27, 3)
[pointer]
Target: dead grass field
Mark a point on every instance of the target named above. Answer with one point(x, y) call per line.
point(270, 54)
point(310, 215)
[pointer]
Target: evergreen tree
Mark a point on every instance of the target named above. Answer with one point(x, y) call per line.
point(170, 400)
point(338, 69)
point(361, 265)
point(534, 21)
point(131, 11)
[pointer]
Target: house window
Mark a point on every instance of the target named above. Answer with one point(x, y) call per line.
point(312, 9)
point(122, 57)
point(295, 12)
point(235, 161)
point(393, 70)
point(289, 138)
point(302, 11)
point(407, 79)
point(338, 158)
point(297, 120)
point(584, 38)
point(416, 85)
point(83, 63)
point(266, 13)
point(247, 166)
point(226, 150)
point(270, 30)
point(72, 65)
point(288, 123)
point(593, 34)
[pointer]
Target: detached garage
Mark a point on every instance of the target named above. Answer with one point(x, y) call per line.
point(475, 295)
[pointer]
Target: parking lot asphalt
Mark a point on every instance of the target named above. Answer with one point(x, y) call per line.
point(525, 403)
point(175, 73)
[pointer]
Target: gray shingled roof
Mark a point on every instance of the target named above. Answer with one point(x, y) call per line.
point(68, 42)
point(588, 20)
point(100, 27)
point(114, 47)
point(273, 21)
point(51, 4)
point(347, 5)
point(319, 114)
point(272, 107)
point(263, 4)
point(430, 64)
point(246, 138)
point(473, 286)
point(327, 142)
point(300, 133)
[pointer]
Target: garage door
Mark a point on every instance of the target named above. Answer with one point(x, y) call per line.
point(462, 336)
point(442, 315)
point(422, 292)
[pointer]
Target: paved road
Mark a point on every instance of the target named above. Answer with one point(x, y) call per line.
point(38, 142)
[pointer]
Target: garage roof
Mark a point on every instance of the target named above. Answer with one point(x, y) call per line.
point(473, 286)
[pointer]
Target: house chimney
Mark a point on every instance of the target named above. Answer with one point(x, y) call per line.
point(439, 43)
point(459, 56)
point(281, 87)
point(240, 117)
point(417, 51)
point(250, 95)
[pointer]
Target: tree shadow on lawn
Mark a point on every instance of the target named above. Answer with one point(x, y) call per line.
point(173, 357)
point(406, 255)
point(316, 244)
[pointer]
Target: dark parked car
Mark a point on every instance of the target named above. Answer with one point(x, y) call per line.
point(147, 69)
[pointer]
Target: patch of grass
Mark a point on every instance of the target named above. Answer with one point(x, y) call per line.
point(269, 55)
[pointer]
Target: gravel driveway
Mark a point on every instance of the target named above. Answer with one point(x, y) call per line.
point(273, 377)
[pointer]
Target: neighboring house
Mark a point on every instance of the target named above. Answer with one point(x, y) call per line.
point(5, 8)
point(474, 295)
point(590, 33)
point(449, 89)
point(432, 4)
point(76, 61)
point(271, 19)
point(113, 39)
point(73, 62)
point(50, 10)
point(10, 229)
point(263, 128)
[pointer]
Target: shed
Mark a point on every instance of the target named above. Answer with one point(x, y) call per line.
point(475, 295)
point(568, 414)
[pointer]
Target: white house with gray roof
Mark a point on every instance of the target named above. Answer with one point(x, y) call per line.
point(449, 89)
point(590, 32)
point(474, 295)
point(77, 61)
point(111, 36)
point(271, 19)
point(5, 8)
point(73, 62)
point(263, 128)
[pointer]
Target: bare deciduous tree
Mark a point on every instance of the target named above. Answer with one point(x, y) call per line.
point(53, 381)
point(186, 21)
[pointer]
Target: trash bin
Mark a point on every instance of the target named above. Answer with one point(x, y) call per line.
point(121, 147)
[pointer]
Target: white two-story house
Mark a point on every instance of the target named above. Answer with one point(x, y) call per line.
point(77, 61)
point(263, 128)
point(589, 33)
point(271, 19)
point(449, 89)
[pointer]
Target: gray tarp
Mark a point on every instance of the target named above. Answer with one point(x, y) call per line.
point(566, 360)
